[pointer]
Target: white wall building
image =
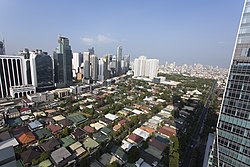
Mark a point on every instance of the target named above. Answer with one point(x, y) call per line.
point(144, 67)
point(76, 63)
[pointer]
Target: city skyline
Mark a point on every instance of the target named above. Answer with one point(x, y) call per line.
point(95, 24)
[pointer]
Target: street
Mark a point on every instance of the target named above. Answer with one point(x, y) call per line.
point(194, 139)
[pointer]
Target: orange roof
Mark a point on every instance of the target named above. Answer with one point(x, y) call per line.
point(149, 130)
point(26, 138)
point(117, 127)
point(50, 111)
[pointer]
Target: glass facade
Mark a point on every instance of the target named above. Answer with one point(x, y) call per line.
point(63, 63)
point(232, 143)
point(44, 71)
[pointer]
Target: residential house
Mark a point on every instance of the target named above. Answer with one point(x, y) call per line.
point(54, 128)
point(51, 145)
point(26, 138)
point(89, 129)
point(167, 131)
point(33, 153)
point(12, 113)
point(7, 158)
point(90, 144)
point(25, 111)
point(78, 134)
point(65, 123)
point(35, 125)
point(62, 157)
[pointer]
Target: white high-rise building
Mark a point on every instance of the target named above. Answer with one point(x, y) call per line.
point(94, 67)
point(144, 67)
point(76, 63)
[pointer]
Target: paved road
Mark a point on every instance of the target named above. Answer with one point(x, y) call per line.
point(194, 139)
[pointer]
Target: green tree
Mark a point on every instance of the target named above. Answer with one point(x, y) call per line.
point(114, 164)
point(174, 152)
point(133, 154)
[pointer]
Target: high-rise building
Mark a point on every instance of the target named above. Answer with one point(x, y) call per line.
point(76, 63)
point(118, 60)
point(86, 62)
point(63, 63)
point(41, 70)
point(103, 68)
point(144, 67)
point(94, 67)
point(232, 143)
point(13, 73)
point(2, 48)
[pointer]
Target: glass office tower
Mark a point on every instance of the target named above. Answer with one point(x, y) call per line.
point(232, 143)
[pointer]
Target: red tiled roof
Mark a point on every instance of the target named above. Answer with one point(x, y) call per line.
point(54, 128)
point(149, 130)
point(135, 138)
point(23, 109)
point(117, 127)
point(168, 131)
point(122, 122)
point(157, 144)
point(89, 129)
point(26, 138)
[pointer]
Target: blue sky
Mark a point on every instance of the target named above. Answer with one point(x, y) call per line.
point(196, 31)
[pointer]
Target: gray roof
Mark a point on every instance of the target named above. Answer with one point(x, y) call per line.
point(35, 124)
point(10, 164)
point(60, 154)
point(7, 153)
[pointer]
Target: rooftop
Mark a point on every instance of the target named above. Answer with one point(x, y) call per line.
point(77, 118)
point(66, 141)
point(60, 154)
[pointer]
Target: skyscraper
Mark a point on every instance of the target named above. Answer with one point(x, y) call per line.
point(76, 63)
point(41, 70)
point(94, 67)
point(144, 67)
point(232, 143)
point(63, 63)
point(2, 48)
point(86, 62)
point(118, 60)
point(103, 68)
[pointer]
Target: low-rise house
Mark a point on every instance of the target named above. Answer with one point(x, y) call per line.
point(106, 131)
point(51, 145)
point(9, 142)
point(25, 111)
point(122, 122)
point(78, 149)
point(77, 118)
point(78, 134)
point(62, 157)
point(167, 131)
point(12, 113)
point(43, 133)
point(4, 136)
point(65, 123)
point(45, 163)
point(105, 121)
point(35, 125)
point(90, 144)
point(107, 159)
point(54, 128)
point(50, 111)
point(33, 153)
point(100, 138)
point(147, 129)
point(20, 130)
point(89, 129)
point(145, 135)
point(26, 138)
point(58, 118)
point(126, 146)
point(135, 139)
point(97, 125)
point(66, 141)
point(7, 158)
point(119, 153)
point(111, 117)
point(117, 127)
